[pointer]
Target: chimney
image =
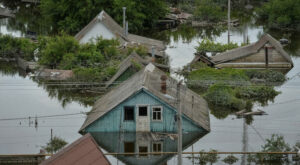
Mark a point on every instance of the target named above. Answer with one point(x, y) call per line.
point(124, 19)
point(152, 54)
point(163, 84)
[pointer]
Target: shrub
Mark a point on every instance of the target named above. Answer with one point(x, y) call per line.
point(256, 92)
point(209, 46)
point(55, 144)
point(270, 76)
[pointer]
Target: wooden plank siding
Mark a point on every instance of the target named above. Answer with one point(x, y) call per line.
point(113, 121)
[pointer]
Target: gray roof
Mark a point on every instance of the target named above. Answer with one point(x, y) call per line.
point(130, 39)
point(126, 63)
point(193, 105)
point(250, 49)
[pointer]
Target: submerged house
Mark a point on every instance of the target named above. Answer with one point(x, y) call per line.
point(147, 102)
point(106, 27)
point(265, 53)
point(129, 66)
point(141, 143)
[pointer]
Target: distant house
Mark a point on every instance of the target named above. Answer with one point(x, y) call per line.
point(106, 27)
point(85, 150)
point(129, 67)
point(131, 142)
point(265, 53)
point(147, 102)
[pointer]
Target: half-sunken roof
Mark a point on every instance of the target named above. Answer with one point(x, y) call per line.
point(85, 150)
point(116, 29)
point(128, 62)
point(250, 49)
point(149, 79)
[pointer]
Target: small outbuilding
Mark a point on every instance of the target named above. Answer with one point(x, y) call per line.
point(147, 102)
point(106, 27)
point(85, 150)
point(265, 53)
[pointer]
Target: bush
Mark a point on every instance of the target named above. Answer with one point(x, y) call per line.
point(221, 95)
point(256, 92)
point(209, 46)
point(22, 47)
point(55, 144)
point(270, 76)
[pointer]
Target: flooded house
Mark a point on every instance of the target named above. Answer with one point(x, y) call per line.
point(85, 150)
point(106, 27)
point(267, 52)
point(147, 102)
point(140, 143)
point(129, 66)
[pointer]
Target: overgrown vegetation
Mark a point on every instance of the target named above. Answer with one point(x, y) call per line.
point(96, 61)
point(281, 14)
point(207, 45)
point(71, 16)
point(11, 47)
point(234, 89)
point(55, 145)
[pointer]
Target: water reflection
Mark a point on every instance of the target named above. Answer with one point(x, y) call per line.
point(143, 142)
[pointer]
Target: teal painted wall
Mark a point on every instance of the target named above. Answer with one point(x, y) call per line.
point(113, 120)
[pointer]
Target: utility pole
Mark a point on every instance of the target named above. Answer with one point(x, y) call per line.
point(228, 21)
point(179, 129)
point(124, 19)
point(51, 138)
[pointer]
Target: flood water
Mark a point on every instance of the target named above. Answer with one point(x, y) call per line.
point(21, 97)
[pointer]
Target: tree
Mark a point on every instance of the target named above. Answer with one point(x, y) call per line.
point(55, 144)
point(230, 159)
point(281, 14)
point(71, 16)
point(208, 10)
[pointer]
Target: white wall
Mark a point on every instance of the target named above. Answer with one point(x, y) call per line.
point(96, 31)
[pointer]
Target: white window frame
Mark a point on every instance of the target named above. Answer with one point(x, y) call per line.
point(161, 113)
point(161, 146)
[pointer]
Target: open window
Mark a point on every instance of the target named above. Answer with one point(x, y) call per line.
point(143, 110)
point(157, 113)
point(143, 150)
point(128, 113)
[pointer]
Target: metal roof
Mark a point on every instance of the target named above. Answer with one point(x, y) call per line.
point(149, 79)
point(85, 150)
point(250, 49)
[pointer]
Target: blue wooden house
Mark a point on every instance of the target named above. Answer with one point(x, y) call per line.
point(146, 102)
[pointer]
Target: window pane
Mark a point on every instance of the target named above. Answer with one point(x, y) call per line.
point(129, 113)
point(143, 150)
point(158, 115)
point(128, 147)
point(143, 111)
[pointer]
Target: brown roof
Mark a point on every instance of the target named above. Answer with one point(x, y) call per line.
point(193, 105)
point(85, 150)
point(250, 49)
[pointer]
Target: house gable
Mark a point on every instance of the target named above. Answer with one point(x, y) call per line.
point(113, 121)
point(98, 29)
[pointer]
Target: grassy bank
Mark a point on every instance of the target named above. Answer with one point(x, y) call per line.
point(235, 89)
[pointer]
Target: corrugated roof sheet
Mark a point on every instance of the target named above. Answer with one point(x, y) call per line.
point(192, 105)
point(85, 150)
point(250, 49)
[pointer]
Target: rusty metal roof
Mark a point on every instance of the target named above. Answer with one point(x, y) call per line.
point(85, 150)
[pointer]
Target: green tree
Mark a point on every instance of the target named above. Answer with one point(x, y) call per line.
point(55, 144)
point(208, 10)
point(281, 14)
point(230, 159)
point(71, 16)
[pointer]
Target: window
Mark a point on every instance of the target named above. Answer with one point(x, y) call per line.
point(157, 113)
point(143, 110)
point(129, 147)
point(143, 150)
point(128, 113)
point(157, 147)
